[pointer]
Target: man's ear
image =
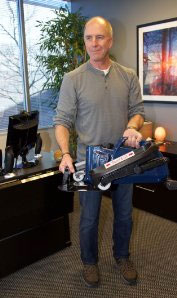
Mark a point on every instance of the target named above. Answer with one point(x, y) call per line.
point(110, 43)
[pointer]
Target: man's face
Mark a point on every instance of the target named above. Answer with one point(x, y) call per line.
point(98, 41)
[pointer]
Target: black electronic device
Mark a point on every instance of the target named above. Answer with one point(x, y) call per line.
point(22, 136)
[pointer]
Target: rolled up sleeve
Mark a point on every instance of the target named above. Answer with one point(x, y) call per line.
point(66, 107)
point(136, 105)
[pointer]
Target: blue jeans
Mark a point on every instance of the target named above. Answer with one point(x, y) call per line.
point(122, 224)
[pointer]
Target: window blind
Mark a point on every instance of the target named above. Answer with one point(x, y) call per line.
point(55, 4)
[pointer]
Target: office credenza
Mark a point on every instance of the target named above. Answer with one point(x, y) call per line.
point(156, 198)
point(34, 221)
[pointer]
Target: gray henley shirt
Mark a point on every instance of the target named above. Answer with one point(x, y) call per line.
point(100, 105)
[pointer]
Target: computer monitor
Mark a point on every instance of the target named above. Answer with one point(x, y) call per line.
point(22, 135)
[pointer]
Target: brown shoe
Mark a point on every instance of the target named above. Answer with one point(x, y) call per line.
point(91, 275)
point(127, 270)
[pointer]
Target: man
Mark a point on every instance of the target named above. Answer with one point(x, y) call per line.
point(103, 99)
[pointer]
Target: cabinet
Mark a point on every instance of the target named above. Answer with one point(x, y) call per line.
point(156, 198)
point(34, 221)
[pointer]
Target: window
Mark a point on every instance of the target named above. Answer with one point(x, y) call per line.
point(11, 88)
point(12, 97)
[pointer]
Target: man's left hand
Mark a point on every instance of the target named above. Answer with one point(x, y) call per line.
point(133, 137)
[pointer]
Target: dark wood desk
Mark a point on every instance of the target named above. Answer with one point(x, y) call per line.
point(156, 198)
point(34, 219)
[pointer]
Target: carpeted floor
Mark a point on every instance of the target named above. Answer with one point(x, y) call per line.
point(153, 251)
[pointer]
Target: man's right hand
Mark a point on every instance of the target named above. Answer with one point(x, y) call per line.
point(66, 162)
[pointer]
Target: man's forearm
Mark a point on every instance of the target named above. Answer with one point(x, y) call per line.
point(136, 122)
point(62, 137)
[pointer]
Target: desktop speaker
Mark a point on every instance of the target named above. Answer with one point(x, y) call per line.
point(38, 144)
point(0, 161)
point(9, 160)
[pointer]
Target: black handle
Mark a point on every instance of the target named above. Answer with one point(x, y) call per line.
point(156, 162)
point(65, 176)
point(65, 181)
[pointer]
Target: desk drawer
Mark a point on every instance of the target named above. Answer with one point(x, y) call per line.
point(157, 199)
point(31, 245)
point(31, 204)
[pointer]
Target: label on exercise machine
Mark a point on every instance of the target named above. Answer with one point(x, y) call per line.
point(119, 159)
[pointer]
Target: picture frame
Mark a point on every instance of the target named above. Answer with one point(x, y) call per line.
point(157, 60)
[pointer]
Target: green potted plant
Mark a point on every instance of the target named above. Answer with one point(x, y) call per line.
point(62, 49)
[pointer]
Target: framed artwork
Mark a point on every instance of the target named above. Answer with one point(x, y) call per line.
point(157, 60)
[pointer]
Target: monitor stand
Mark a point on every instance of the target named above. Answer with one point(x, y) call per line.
point(27, 164)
